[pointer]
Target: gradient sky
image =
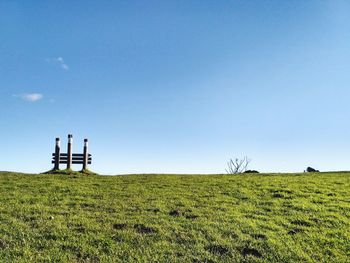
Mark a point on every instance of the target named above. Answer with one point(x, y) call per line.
point(176, 86)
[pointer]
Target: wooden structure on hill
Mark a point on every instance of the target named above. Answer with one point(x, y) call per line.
point(70, 158)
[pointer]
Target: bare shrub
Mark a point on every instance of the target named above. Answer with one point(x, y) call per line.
point(238, 166)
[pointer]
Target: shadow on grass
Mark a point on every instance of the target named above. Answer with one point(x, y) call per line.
point(70, 172)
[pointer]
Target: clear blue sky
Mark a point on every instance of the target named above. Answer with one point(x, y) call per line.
point(176, 86)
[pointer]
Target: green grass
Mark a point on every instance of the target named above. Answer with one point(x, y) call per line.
point(175, 218)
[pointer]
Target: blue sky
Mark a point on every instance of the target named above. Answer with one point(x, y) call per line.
point(176, 86)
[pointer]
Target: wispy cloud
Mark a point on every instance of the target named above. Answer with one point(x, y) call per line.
point(31, 97)
point(58, 61)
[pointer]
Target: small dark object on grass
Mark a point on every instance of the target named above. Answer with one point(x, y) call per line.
point(312, 170)
point(119, 226)
point(251, 172)
point(300, 222)
point(295, 231)
point(251, 252)
point(190, 216)
point(142, 229)
point(217, 249)
point(175, 213)
point(259, 236)
point(3, 244)
point(278, 195)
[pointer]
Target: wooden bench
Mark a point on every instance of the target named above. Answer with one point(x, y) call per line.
point(70, 158)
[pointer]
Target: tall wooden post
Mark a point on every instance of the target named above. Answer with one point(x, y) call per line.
point(57, 154)
point(86, 154)
point(69, 151)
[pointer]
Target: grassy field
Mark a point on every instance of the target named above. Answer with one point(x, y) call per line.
point(175, 218)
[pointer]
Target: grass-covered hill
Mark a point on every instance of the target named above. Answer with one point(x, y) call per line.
point(175, 218)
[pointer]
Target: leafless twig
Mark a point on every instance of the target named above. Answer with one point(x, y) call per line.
point(237, 166)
